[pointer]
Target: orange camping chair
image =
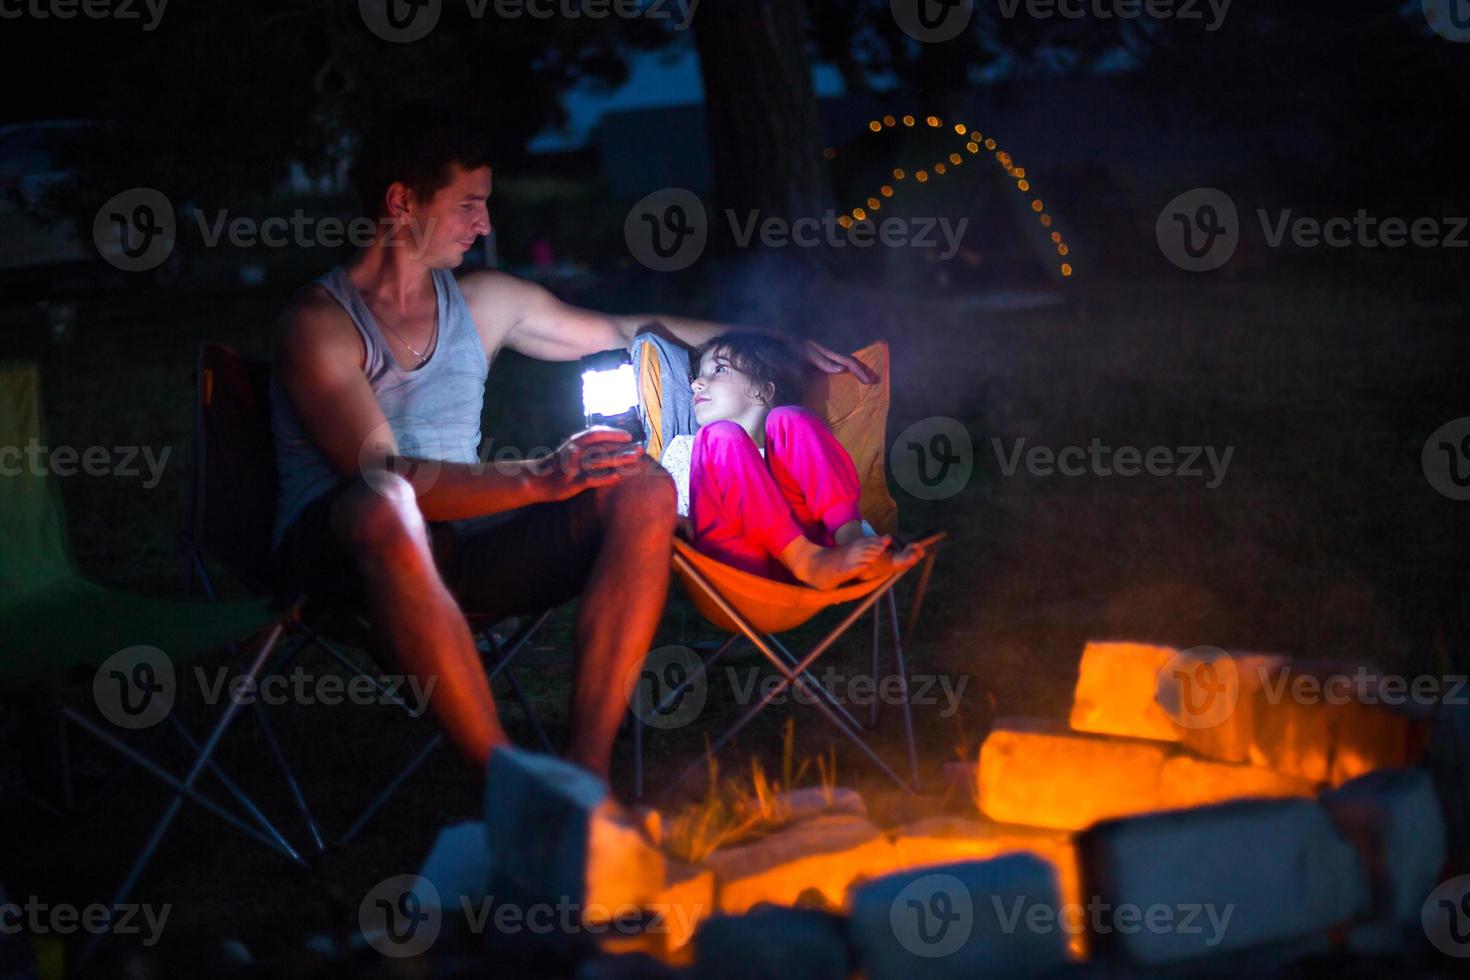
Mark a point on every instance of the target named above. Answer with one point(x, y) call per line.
point(755, 608)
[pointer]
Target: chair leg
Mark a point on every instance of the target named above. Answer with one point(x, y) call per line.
point(873, 709)
point(183, 789)
point(918, 600)
point(793, 676)
point(903, 678)
point(398, 780)
point(234, 790)
point(821, 688)
point(292, 784)
point(704, 665)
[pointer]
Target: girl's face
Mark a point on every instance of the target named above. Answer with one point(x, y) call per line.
point(721, 392)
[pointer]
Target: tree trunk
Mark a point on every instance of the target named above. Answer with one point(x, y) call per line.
point(765, 136)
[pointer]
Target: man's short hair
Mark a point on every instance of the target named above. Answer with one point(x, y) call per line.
point(417, 145)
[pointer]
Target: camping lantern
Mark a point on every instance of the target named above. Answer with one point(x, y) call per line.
point(610, 392)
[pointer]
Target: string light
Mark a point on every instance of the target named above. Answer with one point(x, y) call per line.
point(973, 144)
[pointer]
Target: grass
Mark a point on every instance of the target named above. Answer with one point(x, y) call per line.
point(733, 811)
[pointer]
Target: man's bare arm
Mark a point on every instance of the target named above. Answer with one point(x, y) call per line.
point(319, 361)
point(526, 317)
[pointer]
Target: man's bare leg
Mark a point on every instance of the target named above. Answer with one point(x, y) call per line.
point(414, 612)
point(620, 607)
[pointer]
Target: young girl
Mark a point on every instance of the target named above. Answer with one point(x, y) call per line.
point(766, 487)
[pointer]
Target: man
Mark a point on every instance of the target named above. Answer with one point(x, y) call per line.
point(377, 392)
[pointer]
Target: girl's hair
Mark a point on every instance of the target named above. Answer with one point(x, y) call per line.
point(765, 360)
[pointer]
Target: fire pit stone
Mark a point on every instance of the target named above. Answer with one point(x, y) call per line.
point(555, 832)
point(1393, 817)
point(824, 853)
point(1278, 869)
point(962, 920)
point(773, 941)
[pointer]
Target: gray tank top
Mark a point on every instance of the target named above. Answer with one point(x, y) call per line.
point(433, 410)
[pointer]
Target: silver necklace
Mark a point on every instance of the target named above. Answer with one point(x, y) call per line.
point(415, 351)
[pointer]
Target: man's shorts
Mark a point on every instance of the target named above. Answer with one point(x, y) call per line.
point(519, 562)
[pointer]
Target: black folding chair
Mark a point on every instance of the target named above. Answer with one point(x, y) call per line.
point(231, 514)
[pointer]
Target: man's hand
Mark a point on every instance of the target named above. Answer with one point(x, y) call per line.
point(831, 362)
point(595, 457)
